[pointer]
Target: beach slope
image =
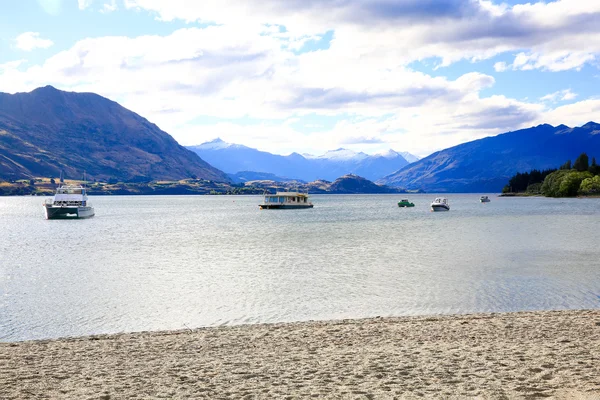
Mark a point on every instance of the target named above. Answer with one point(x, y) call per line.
point(550, 354)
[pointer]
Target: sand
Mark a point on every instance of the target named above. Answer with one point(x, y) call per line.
point(553, 354)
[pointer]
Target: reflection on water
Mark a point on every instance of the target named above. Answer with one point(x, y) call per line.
point(166, 262)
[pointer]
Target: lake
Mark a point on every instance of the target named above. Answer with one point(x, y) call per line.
point(173, 262)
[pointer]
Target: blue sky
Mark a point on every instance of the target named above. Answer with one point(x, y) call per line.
point(308, 75)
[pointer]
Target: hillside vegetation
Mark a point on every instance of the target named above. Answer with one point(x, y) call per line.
point(580, 178)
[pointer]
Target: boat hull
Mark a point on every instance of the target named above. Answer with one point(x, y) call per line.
point(68, 212)
point(440, 207)
point(405, 205)
point(284, 206)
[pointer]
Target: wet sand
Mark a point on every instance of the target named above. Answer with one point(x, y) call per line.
point(550, 354)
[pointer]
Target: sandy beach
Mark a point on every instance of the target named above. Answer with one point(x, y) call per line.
point(551, 354)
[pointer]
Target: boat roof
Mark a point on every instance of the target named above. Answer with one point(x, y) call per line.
point(291, 194)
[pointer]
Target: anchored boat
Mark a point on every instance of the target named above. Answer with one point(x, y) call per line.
point(484, 199)
point(440, 204)
point(69, 202)
point(405, 203)
point(286, 200)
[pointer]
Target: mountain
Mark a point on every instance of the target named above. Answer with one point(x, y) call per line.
point(352, 184)
point(246, 176)
point(347, 184)
point(409, 157)
point(233, 158)
point(485, 165)
point(49, 130)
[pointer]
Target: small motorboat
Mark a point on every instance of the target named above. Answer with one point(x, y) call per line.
point(405, 203)
point(484, 199)
point(440, 204)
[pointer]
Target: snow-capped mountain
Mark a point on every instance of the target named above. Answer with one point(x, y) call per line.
point(409, 157)
point(233, 158)
point(342, 155)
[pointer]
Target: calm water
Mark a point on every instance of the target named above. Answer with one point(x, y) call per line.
point(170, 262)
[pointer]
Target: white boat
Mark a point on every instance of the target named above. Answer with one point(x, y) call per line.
point(484, 199)
point(440, 204)
point(286, 200)
point(69, 202)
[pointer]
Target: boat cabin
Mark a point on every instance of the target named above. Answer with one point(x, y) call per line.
point(287, 198)
point(70, 196)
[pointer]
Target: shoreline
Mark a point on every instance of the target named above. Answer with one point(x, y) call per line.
point(530, 354)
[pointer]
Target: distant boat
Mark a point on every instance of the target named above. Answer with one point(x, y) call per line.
point(286, 200)
point(69, 202)
point(440, 204)
point(405, 203)
point(484, 199)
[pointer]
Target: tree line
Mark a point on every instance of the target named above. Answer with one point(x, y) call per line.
point(571, 179)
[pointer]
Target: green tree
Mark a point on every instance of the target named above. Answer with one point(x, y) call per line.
point(594, 167)
point(581, 163)
point(563, 183)
point(569, 185)
point(566, 165)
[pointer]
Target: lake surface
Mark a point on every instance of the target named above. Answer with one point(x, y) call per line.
point(171, 262)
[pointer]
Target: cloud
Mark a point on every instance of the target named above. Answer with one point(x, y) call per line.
point(500, 66)
point(247, 66)
point(362, 140)
point(558, 35)
point(109, 7)
point(29, 41)
point(575, 114)
point(83, 4)
point(561, 95)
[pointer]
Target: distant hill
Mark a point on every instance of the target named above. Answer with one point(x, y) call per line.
point(246, 176)
point(347, 184)
point(49, 130)
point(233, 158)
point(485, 165)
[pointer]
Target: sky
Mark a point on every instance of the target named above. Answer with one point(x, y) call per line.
point(309, 76)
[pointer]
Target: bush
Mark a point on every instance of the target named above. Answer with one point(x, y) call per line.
point(564, 183)
point(590, 185)
point(534, 188)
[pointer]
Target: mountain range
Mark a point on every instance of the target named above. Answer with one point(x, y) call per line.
point(235, 158)
point(485, 165)
point(47, 131)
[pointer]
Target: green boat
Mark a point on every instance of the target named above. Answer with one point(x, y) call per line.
point(405, 203)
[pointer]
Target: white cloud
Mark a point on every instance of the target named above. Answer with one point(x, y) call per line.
point(500, 66)
point(109, 7)
point(561, 95)
point(83, 4)
point(243, 69)
point(558, 35)
point(29, 41)
point(575, 114)
point(11, 65)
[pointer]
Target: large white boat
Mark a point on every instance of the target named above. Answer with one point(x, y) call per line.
point(286, 200)
point(440, 204)
point(484, 199)
point(69, 202)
